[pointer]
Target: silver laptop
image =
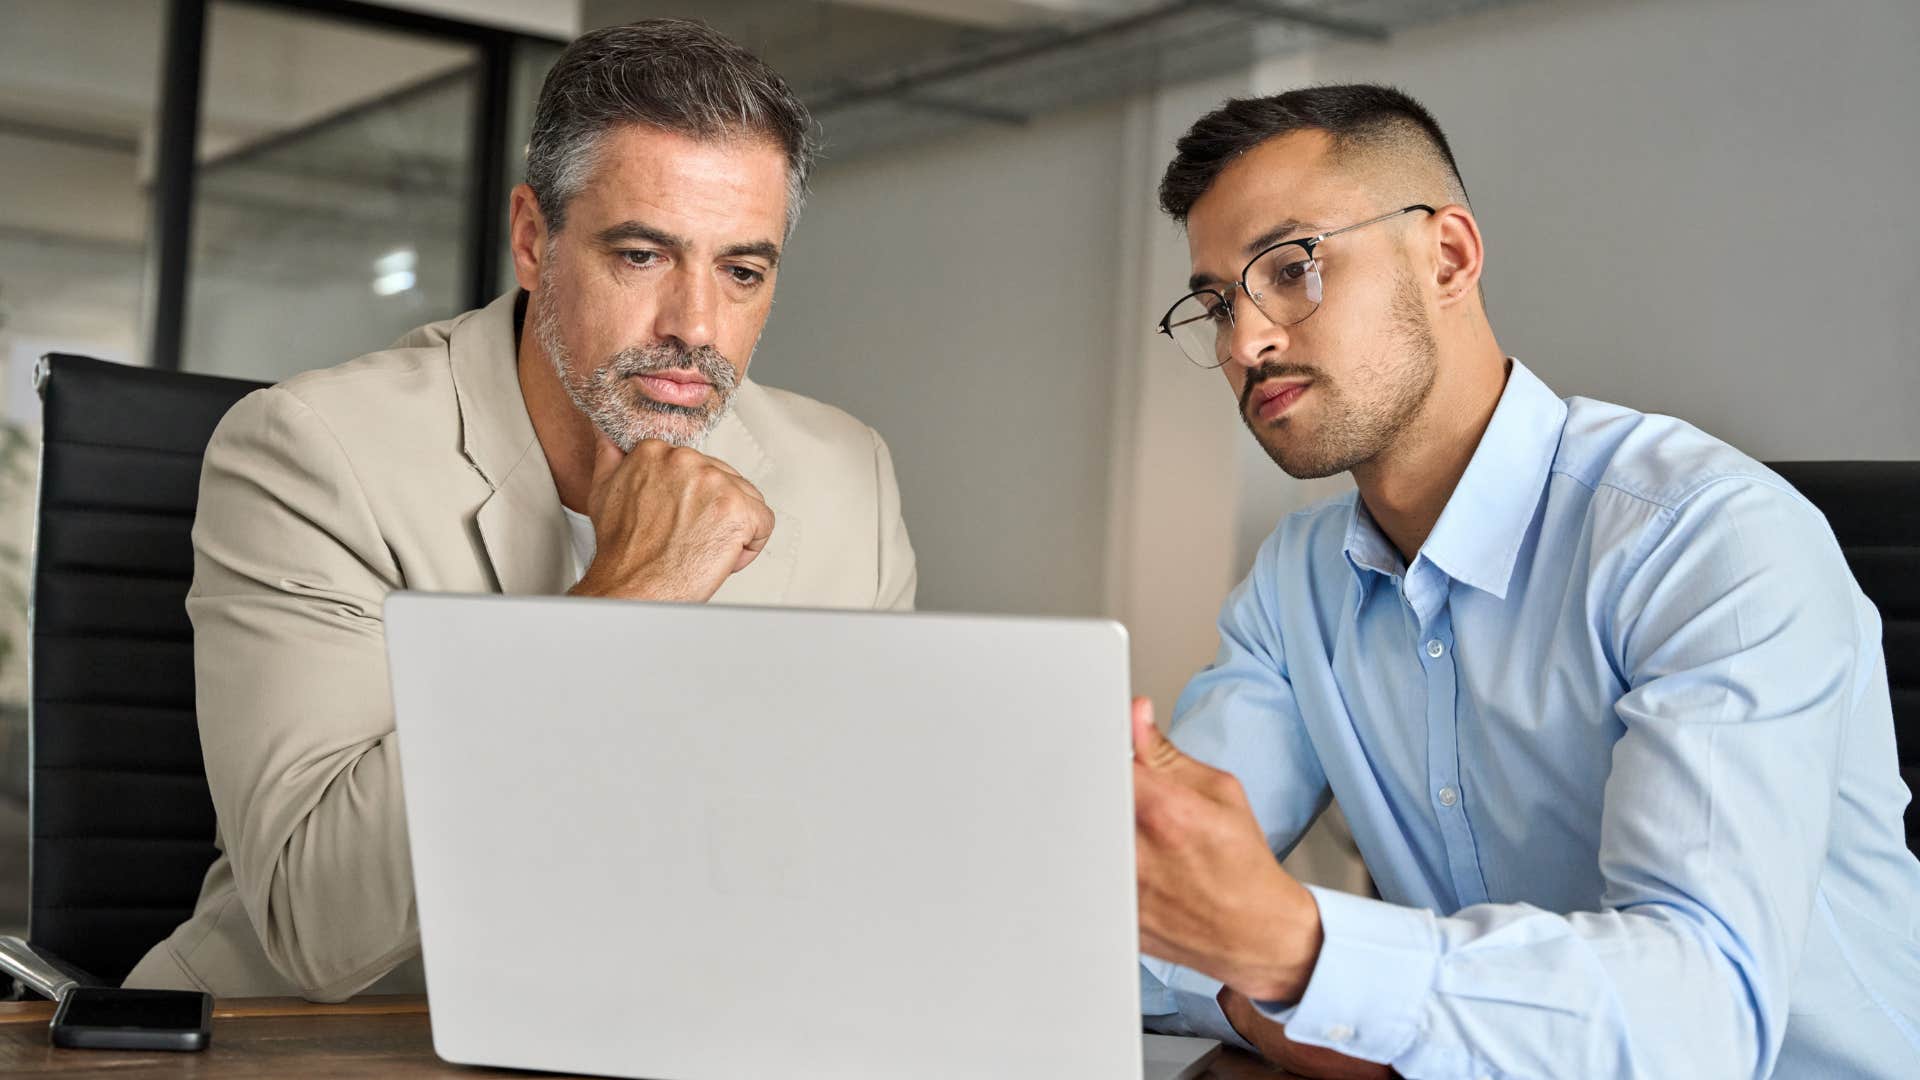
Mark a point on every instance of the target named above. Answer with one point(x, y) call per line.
point(690, 842)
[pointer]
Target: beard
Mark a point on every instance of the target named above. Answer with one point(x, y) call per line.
point(608, 396)
point(1349, 430)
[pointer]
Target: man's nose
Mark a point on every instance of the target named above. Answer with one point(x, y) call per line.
point(1252, 338)
point(689, 308)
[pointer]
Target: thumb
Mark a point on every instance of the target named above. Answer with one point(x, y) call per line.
point(1151, 748)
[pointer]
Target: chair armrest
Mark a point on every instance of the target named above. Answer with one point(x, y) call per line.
point(41, 971)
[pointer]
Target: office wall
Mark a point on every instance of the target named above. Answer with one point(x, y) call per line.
point(957, 296)
point(1697, 207)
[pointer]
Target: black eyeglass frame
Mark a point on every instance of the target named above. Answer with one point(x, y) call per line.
point(1306, 244)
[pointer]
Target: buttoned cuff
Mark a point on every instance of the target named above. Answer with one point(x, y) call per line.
point(1371, 983)
point(1194, 997)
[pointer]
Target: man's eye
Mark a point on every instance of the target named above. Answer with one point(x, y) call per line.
point(745, 276)
point(640, 258)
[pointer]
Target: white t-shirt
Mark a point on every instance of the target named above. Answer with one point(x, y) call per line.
point(581, 526)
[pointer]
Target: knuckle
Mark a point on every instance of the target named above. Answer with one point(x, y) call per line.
point(1223, 786)
point(714, 484)
point(1160, 817)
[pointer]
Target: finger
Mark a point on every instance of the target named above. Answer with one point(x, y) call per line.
point(1148, 788)
point(746, 485)
point(756, 542)
point(1163, 815)
point(1151, 748)
point(747, 555)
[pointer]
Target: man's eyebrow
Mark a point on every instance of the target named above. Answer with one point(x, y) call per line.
point(1276, 234)
point(638, 230)
point(1255, 246)
point(765, 249)
point(628, 231)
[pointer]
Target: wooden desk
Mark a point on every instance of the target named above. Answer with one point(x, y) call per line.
point(285, 1037)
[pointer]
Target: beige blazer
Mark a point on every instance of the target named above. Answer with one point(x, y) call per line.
point(417, 468)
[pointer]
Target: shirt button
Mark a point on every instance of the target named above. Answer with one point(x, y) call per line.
point(1435, 649)
point(1448, 796)
point(1339, 1033)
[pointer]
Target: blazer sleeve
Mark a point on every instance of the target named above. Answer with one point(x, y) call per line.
point(899, 577)
point(295, 717)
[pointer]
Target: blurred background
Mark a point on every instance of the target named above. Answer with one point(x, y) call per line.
point(1697, 207)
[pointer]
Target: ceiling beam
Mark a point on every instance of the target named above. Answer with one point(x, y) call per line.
point(997, 13)
point(1300, 15)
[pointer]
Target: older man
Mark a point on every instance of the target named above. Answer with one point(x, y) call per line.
point(593, 431)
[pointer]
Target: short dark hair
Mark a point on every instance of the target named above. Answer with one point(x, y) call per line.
point(678, 75)
point(1358, 116)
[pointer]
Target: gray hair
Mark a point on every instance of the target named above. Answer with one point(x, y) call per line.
point(677, 75)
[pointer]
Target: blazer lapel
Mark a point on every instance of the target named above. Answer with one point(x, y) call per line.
point(767, 578)
point(521, 524)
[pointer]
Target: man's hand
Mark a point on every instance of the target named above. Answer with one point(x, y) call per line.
point(1212, 896)
point(1270, 1038)
point(669, 523)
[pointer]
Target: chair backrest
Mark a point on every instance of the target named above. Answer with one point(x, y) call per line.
point(1874, 508)
point(122, 825)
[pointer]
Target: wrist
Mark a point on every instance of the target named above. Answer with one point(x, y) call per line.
point(636, 586)
point(592, 584)
point(612, 587)
point(1290, 949)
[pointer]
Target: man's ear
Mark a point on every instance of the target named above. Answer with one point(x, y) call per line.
point(1461, 255)
point(526, 236)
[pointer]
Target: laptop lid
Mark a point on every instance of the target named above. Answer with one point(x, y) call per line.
point(685, 841)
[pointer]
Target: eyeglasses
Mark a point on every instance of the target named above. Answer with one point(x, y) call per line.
point(1284, 282)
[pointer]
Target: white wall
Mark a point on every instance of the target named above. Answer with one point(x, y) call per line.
point(1696, 207)
point(957, 296)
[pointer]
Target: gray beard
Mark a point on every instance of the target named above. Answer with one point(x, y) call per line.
point(605, 396)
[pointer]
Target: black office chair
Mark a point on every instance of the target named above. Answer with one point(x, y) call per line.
point(121, 822)
point(1874, 508)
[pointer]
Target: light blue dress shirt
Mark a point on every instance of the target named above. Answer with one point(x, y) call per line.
point(1617, 748)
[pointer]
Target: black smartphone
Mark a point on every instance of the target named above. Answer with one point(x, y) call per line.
point(110, 1018)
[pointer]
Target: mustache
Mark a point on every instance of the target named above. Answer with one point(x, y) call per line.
point(1275, 371)
point(648, 359)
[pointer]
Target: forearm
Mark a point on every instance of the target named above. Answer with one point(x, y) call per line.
point(338, 898)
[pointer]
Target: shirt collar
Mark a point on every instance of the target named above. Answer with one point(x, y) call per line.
point(1485, 521)
point(1371, 555)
